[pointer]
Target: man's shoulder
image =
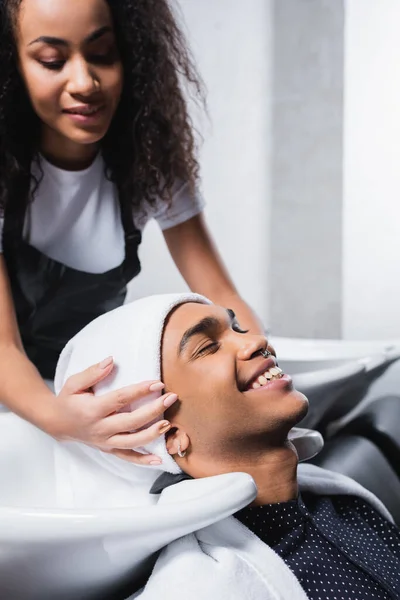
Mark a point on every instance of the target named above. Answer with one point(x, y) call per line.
point(317, 480)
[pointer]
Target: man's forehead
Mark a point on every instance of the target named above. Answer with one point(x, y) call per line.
point(184, 317)
point(181, 318)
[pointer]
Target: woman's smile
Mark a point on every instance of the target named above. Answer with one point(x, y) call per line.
point(86, 114)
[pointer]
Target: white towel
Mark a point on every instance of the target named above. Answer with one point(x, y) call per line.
point(132, 335)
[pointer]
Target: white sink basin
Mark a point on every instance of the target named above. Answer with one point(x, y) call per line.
point(328, 349)
point(335, 387)
point(50, 552)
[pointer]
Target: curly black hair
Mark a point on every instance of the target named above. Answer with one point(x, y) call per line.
point(151, 141)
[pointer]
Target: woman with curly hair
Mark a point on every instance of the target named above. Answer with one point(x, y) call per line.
point(95, 140)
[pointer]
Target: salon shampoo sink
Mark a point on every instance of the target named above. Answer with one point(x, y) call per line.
point(308, 349)
point(324, 387)
point(337, 389)
point(49, 552)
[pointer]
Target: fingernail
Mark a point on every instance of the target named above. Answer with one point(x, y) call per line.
point(155, 462)
point(106, 362)
point(165, 425)
point(169, 400)
point(156, 387)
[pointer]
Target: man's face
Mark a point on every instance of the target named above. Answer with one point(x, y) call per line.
point(214, 367)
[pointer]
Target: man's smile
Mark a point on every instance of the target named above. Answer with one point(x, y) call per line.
point(266, 372)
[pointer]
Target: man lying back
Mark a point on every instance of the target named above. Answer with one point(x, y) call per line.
point(307, 533)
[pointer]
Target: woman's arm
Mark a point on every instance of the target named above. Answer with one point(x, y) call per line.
point(200, 264)
point(76, 414)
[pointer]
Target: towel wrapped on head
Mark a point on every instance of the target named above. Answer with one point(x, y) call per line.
point(132, 334)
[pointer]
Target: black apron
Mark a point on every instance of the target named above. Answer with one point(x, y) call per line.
point(52, 301)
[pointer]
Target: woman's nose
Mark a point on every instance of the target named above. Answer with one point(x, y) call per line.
point(81, 82)
point(250, 345)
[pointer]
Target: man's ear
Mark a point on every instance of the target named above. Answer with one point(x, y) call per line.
point(177, 440)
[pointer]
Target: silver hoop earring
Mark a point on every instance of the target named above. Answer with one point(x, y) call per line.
point(180, 453)
point(265, 353)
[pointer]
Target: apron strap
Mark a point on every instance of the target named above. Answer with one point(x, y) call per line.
point(133, 235)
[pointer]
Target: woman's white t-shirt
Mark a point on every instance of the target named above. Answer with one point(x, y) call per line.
point(75, 217)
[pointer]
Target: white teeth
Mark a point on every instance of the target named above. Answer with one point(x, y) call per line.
point(275, 371)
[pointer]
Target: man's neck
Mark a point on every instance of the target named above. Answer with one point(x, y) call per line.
point(274, 472)
point(276, 478)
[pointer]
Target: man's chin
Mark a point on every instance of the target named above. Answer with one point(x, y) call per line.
point(300, 408)
point(290, 414)
point(296, 409)
point(280, 413)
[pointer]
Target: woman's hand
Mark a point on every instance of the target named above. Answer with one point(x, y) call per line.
point(97, 420)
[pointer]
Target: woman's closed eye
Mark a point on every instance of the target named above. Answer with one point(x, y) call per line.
point(52, 65)
point(102, 58)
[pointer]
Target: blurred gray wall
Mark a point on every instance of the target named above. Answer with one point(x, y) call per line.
point(306, 168)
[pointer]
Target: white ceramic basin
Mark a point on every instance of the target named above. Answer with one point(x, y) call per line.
point(53, 553)
point(324, 387)
point(329, 349)
point(335, 387)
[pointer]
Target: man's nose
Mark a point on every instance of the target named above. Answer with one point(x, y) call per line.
point(250, 345)
point(82, 81)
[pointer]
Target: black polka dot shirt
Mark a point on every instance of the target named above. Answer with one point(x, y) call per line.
point(338, 547)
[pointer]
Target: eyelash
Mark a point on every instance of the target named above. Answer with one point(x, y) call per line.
point(57, 65)
point(214, 346)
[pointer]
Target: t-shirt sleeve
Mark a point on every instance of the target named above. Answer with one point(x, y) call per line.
point(1, 234)
point(184, 206)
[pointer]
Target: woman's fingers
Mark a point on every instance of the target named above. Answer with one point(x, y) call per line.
point(80, 382)
point(118, 400)
point(100, 420)
point(140, 417)
point(128, 441)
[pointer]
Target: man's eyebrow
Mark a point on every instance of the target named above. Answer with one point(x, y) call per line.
point(206, 325)
point(54, 41)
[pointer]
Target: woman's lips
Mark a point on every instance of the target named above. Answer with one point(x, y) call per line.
point(85, 118)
